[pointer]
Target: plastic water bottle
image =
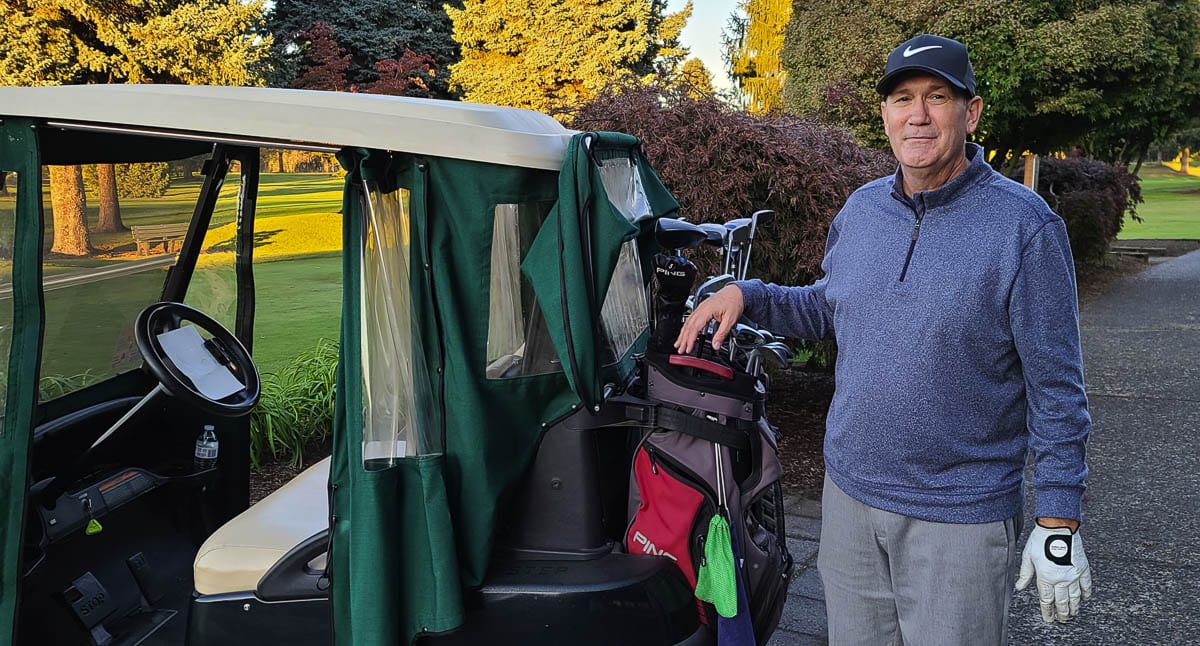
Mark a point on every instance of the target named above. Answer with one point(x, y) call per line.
point(206, 449)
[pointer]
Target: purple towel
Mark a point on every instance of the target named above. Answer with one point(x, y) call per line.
point(737, 630)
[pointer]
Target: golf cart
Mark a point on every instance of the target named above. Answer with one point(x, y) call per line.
point(490, 298)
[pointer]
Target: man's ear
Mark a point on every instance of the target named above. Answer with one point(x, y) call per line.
point(883, 116)
point(974, 110)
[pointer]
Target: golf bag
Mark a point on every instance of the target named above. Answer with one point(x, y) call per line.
point(706, 431)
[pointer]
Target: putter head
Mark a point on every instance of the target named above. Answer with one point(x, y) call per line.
point(677, 234)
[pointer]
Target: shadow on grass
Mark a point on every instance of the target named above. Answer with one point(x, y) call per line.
point(261, 239)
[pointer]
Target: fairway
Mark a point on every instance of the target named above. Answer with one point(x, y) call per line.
point(1171, 210)
point(297, 276)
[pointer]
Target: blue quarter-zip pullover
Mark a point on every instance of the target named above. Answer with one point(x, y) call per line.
point(957, 326)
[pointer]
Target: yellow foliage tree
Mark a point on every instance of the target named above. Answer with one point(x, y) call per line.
point(52, 42)
point(755, 48)
point(553, 54)
point(697, 78)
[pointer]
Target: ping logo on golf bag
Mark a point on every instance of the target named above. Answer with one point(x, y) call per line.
point(649, 548)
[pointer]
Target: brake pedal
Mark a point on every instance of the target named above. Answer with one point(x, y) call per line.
point(92, 604)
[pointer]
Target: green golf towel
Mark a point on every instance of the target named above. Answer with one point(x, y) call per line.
point(717, 581)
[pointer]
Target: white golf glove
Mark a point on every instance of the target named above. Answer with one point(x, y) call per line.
point(1064, 579)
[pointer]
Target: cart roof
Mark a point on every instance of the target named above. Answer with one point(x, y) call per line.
point(305, 118)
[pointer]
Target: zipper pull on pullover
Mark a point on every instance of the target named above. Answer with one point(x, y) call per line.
point(917, 204)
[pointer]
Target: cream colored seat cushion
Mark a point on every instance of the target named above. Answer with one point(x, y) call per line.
point(238, 554)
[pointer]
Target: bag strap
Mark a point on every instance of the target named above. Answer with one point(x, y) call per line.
point(659, 416)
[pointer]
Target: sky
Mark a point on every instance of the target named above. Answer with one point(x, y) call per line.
point(703, 33)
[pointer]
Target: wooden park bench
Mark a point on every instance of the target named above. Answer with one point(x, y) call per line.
point(170, 236)
point(1151, 251)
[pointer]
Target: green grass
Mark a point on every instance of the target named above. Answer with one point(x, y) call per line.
point(297, 278)
point(1171, 210)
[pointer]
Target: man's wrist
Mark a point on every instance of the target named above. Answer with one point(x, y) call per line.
point(1056, 523)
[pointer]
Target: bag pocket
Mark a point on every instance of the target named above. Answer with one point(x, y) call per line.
point(671, 518)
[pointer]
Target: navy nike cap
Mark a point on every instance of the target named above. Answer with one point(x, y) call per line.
point(944, 57)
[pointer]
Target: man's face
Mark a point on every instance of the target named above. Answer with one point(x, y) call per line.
point(927, 122)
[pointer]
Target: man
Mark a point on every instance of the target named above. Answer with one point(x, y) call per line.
point(950, 290)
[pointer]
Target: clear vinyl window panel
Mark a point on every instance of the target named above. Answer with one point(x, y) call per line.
point(391, 355)
point(113, 232)
point(518, 343)
point(623, 184)
point(624, 315)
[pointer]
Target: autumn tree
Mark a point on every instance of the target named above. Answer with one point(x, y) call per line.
point(368, 31)
point(554, 54)
point(48, 42)
point(696, 77)
point(753, 43)
point(412, 74)
point(323, 62)
point(1107, 75)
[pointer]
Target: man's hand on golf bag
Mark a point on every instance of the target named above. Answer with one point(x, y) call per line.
point(724, 307)
point(1054, 555)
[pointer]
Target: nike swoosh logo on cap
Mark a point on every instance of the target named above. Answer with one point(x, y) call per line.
point(909, 51)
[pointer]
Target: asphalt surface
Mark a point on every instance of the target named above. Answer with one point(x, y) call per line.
point(1141, 531)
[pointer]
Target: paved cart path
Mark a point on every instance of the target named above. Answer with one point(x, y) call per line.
point(1141, 343)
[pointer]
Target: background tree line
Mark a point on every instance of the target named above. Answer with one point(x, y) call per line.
point(1104, 79)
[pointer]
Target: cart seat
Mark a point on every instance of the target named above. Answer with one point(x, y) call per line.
point(238, 554)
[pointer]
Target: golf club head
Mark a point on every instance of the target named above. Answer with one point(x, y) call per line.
point(711, 286)
point(777, 353)
point(672, 233)
point(735, 240)
point(715, 233)
point(762, 218)
point(747, 336)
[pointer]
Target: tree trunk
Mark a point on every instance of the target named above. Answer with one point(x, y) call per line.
point(110, 205)
point(3, 182)
point(1183, 160)
point(279, 160)
point(69, 211)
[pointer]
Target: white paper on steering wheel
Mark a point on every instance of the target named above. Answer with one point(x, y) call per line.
point(185, 348)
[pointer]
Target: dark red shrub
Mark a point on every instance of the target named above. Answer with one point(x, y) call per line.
point(723, 164)
point(1092, 197)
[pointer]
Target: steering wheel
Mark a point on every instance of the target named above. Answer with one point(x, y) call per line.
point(223, 345)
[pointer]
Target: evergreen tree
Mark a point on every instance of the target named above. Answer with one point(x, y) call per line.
point(753, 49)
point(554, 54)
point(369, 31)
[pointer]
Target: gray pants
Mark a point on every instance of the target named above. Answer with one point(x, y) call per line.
point(891, 579)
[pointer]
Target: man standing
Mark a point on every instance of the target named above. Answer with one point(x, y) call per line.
point(950, 290)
